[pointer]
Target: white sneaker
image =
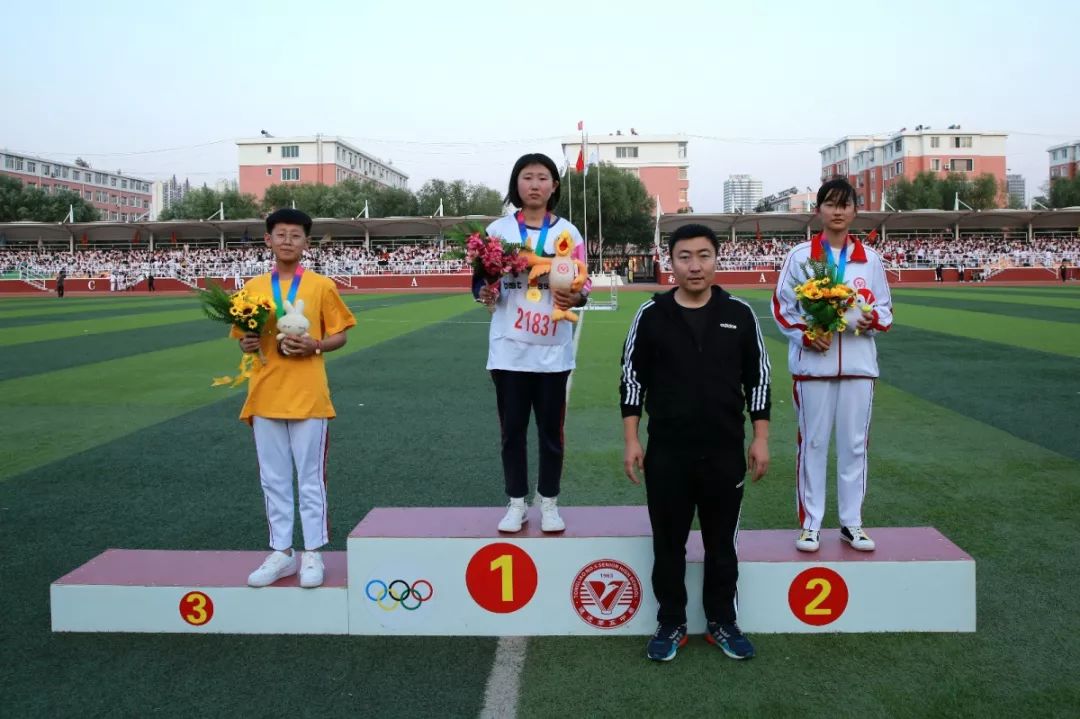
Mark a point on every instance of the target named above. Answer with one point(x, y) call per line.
point(276, 566)
point(550, 521)
point(517, 514)
point(311, 570)
point(807, 541)
point(857, 538)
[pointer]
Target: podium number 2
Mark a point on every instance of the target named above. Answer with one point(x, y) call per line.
point(504, 564)
point(818, 596)
point(501, 577)
point(814, 608)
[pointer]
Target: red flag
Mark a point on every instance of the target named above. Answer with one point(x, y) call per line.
point(135, 239)
point(872, 236)
point(84, 240)
point(758, 232)
point(580, 127)
point(580, 166)
point(172, 237)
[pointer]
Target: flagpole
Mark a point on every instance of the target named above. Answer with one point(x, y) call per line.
point(570, 195)
point(584, 195)
point(599, 216)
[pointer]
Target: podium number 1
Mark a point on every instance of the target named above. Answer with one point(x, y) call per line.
point(501, 577)
point(818, 596)
point(504, 564)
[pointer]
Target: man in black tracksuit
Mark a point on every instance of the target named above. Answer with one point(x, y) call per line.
point(694, 358)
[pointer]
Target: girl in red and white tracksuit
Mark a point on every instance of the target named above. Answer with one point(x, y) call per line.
point(834, 386)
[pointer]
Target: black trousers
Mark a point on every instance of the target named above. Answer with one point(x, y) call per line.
point(679, 480)
point(518, 395)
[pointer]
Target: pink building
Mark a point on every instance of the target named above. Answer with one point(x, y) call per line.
point(1064, 160)
point(118, 197)
point(267, 161)
point(659, 161)
point(875, 163)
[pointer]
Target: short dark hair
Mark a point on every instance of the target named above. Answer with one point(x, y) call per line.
point(688, 232)
point(289, 216)
point(838, 189)
point(533, 158)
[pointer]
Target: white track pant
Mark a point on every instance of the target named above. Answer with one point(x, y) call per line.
point(281, 444)
point(821, 406)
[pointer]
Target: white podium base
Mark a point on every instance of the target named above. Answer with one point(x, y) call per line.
point(446, 571)
point(595, 577)
point(125, 590)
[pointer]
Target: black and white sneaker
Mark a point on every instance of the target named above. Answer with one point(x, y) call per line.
point(807, 541)
point(857, 538)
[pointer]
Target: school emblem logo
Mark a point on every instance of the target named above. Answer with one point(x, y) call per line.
point(606, 594)
point(859, 283)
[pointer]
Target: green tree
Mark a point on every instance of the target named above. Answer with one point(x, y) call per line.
point(458, 198)
point(201, 203)
point(344, 200)
point(1064, 192)
point(21, 203)
point(392, 202)
point(627, 208)
point(982, 194)
point(928, 191)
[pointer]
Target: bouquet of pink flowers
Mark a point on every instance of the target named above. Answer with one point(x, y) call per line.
point(491, 258)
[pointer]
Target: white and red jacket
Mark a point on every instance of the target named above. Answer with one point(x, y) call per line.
point(850, 355)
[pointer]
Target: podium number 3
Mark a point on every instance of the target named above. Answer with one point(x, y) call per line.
point(501, 577)
point(818, 596)
point(196, 608)
point(504, 564)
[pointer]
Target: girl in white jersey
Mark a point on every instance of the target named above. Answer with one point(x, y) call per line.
point(834, 375)
point(529, 356)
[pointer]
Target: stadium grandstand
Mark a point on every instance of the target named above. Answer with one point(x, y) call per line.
point(984, 242)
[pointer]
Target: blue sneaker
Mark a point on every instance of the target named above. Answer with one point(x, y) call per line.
point(666, 642)
point(730, 639)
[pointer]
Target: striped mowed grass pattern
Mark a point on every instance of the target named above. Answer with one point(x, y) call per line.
point(113, 438)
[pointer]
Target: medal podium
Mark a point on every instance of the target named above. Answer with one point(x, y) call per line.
point(447, 571)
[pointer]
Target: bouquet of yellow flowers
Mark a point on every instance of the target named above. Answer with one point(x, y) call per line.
point(824, 299)
point(247, 312)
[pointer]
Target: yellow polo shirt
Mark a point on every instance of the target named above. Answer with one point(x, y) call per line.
point(296, 387)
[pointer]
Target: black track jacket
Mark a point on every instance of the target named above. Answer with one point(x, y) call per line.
point(695, 393)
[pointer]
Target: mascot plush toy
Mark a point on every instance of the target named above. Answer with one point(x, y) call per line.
point(563, 271)
point(292, 323)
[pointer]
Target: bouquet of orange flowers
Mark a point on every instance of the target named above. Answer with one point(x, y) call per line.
point(824, 299)
point(247, 312)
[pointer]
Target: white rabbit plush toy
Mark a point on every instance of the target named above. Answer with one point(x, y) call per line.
point(292, 323)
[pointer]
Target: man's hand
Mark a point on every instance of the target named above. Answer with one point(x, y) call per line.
point(633, 457)
point(757, 458)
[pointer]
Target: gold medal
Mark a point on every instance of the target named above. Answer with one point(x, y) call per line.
point(533, 295)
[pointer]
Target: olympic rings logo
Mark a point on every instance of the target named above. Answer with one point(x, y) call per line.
point(400, 592)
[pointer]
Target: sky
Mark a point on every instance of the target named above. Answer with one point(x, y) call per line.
point(460, 90)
